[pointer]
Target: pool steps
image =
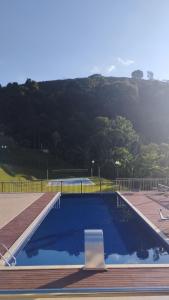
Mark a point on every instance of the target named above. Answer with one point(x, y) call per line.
point(11, 255)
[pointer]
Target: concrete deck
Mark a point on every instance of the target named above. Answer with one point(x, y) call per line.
point(12, 204)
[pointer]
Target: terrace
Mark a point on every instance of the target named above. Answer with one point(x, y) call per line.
point(72, 281)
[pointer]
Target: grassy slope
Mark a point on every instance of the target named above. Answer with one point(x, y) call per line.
point(27, 166)
point(24, 164)
point(42, 186)
point(18, 183)
point(14, 173)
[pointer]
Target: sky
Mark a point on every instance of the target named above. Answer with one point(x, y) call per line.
point(58, 39)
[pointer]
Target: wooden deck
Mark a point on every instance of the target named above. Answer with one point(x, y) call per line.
point(149, 204)
point(135, 277)
point(78, 278)
point(13, 230)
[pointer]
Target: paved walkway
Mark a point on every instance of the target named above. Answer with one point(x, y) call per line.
point(12, 204)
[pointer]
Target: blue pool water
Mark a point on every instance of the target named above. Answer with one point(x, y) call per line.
point(60, 238)
point(70, 181)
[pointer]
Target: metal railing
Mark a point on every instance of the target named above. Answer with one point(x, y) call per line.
point(13, 263)
point(41, 186)
point(142, 184)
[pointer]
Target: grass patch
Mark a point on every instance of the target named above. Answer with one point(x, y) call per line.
point(43, 186)
point(24, 170)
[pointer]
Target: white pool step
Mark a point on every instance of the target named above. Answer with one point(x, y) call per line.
point(94, 249)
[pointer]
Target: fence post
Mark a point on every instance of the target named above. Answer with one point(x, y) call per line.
point(61, 186)
point(81, 187)
point(100, 186)
point(41, 186)
point(2, 187)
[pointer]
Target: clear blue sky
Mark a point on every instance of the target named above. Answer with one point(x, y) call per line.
point(51, 39)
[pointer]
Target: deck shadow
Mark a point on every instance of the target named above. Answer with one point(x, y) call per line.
point(70, 279)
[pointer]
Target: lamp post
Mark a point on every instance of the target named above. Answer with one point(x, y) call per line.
point(47, 170)
point(46, 151)
point(99, 172)
point(3, 147)
point(92, 167)
point(132, 172)
point(117, 164)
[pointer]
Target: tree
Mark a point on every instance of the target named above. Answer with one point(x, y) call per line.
point(137, 74)
point(150, 75)
point(123, 133)
point(124, 158)
point(95, 76)
point(101, 123)
point(147, 162)
point(112, 140)
point(32, 84)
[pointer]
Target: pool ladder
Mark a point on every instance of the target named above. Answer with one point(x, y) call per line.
point(57, 204)
point(11, 256)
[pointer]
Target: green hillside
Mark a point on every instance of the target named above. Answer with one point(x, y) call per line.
point(27, 164)
point(105, 119)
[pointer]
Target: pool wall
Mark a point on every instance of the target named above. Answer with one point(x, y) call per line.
point(27, 234)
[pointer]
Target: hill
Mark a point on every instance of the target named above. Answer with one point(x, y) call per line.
point(77, 120)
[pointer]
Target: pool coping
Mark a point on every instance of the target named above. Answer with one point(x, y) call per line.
point(29, 231)
point(74, 293)
point(64, 267)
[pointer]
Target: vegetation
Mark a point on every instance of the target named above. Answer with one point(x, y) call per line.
point(138, 74)
point(120, 123)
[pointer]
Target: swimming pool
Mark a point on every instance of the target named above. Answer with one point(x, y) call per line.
point(70, 181)
point(59, 240)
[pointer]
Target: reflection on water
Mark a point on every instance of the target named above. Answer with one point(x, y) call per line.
point(60, 238)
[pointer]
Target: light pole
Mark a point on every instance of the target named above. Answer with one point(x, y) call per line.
point(47, 170)
point(132, 172)
point(117, 164)
point(92, 167)
point(46, 151)
point(99, 172)
point(3, 147)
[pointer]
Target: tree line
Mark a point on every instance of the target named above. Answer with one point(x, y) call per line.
point(120, 123)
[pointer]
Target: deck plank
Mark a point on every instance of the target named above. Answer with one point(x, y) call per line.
point(13, 230)
point(149, 204)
